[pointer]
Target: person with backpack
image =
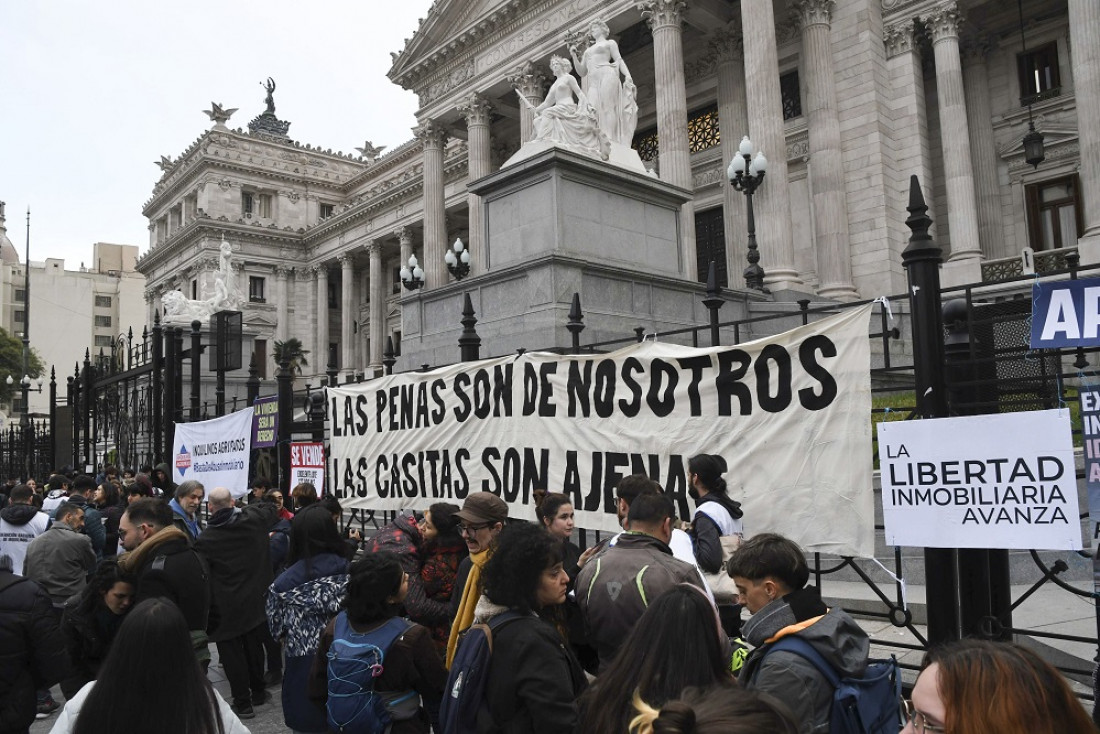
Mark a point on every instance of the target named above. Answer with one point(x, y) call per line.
point(533, 679)
point(374, 671)
point(771, 574)
point(716, 531)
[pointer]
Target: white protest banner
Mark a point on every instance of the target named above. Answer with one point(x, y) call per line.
point(1005, 480)
point(214, 452)
point(307, 464)
point(790, 414)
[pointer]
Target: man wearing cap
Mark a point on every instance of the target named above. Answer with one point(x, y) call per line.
point(481, 519)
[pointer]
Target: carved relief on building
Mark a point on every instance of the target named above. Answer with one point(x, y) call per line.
point(898, 38)
point(943, 22)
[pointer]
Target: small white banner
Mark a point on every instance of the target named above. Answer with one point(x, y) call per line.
point(307, 464)
point(990, 481)
point(790, 413)
point(214, 452)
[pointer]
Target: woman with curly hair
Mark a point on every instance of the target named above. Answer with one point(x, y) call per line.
point(976, 686)
point(534, 678)
point(299, 604)
point(376, 587)
point(645, 671)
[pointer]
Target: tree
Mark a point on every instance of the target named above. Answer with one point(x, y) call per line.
point(11, 363)
point(291, 350)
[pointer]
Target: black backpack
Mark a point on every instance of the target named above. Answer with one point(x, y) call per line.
point(867, 705)
point(464, 696)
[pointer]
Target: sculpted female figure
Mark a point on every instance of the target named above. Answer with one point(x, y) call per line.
point(560, 120)
point(600, 67)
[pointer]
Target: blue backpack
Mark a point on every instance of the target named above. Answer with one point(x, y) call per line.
point(354, 661)
point(867, 705)
point(464, 696)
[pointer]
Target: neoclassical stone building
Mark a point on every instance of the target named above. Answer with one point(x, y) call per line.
point(847, 98)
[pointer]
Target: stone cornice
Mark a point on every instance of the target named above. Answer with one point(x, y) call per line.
point(213, 229)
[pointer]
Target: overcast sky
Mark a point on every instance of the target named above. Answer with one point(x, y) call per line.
point(93, 93)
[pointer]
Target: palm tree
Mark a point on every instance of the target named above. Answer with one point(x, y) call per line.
point(291, 350)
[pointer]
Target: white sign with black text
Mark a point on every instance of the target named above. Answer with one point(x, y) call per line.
point(989, 481)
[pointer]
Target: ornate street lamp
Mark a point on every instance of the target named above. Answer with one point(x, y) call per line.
point(1033, 140)
point(746, 174)
point(412, 275)
point(458, 260)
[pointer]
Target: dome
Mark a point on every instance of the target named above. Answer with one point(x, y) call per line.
point(8, 253)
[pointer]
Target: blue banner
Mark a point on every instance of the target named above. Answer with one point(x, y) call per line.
point(1065, 314)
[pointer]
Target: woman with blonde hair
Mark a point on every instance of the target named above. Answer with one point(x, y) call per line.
point(724, 708)
point(976, 686)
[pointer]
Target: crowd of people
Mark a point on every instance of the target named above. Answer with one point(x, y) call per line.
point(639, 633)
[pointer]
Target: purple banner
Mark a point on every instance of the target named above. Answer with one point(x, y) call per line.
point(265, 422)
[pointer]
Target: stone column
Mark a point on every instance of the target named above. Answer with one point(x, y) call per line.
point(733, 122)
point(404, 237)
point(987, 191)
point(347, 315)
point(478, 113)
point(282, 328)
point(962, 209)
point(664, 18)
point(435, 228)
point(1084, 43)
point(771, 203)
point(531, 83)
point(322, 319)
point(377, 307)
point(834, 259)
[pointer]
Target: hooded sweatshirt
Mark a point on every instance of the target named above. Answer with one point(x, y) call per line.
point(790, 677)
point(19, 525)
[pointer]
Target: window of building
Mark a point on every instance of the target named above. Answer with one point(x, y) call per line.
point(397, 343)
point(17, 317)
point(333, 294)
point(1039, 78)
point(397, 280)
point(20, 294)
point(327, 210)
point(710, 244)
point(248, 204)
point(194, 290)
point(263, 205)
point(334, 355)
point(1054, 215)
point(703, 133)
point(103, 321)
point(103, 340)
point(17, 405)
point(791, 94)
point(255, 289)
point(259, 351)
point(103, 301)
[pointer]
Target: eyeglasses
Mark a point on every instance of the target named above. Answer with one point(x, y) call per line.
point(470, 529)
point(918, 719)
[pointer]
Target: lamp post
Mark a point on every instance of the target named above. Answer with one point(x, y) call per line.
point(458, 260)
point(412, 275)
point(1033, 140)
point(746, 174)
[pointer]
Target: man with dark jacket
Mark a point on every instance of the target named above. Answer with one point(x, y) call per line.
point(235, 547)
point(20, 523)
point(771, 574)
point(83, 487)
point(32, 655)
point(614, 588)
point(162, 481)
point(161, 558)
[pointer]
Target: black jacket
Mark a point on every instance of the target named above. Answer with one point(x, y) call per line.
point(171, 569)
point(236, 548)
point(534, 679)
point(31, 653)
point(87, 639)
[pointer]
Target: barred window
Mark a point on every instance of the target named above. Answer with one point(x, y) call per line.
point(103, 321)
point(103, 301)
point(103, 340)
point(703, 133)
point(791, 94)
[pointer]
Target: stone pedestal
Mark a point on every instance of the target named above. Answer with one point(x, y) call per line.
point(555, 224)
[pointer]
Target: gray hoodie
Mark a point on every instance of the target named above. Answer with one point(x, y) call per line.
point(791, 678)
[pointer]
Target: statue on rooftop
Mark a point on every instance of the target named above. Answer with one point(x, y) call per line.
point(181, 310)
point(270, 99)
point(564, 122)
